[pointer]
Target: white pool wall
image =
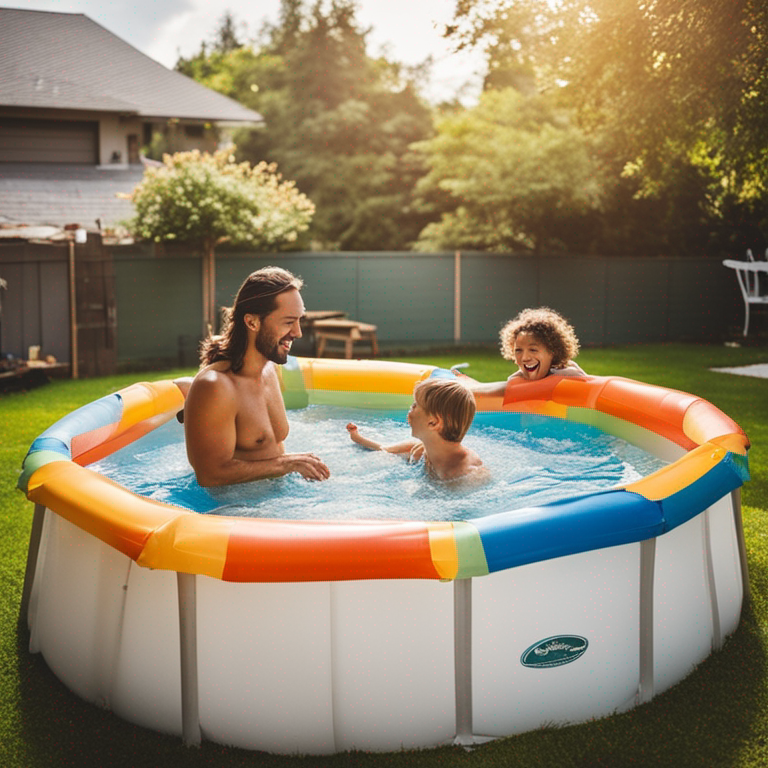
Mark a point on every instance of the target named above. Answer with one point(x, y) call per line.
point(324, 667)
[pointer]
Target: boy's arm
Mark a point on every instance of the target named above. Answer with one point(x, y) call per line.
point(372, 445)
point(405, 447)
point(366, 442)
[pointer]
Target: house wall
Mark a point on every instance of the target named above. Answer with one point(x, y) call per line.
point(183, 136)
point(114, 131)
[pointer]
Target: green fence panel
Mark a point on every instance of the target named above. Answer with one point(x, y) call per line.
point(577, 288)
point(637, 301)
point(409, 297)
point(159, 307)
point(494, 288)
point(329, 281)
point(704, 300)
point(412, 298)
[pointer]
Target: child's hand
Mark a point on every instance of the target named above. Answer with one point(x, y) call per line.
point(353, 433)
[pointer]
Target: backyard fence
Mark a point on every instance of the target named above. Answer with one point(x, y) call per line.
point(415, 299)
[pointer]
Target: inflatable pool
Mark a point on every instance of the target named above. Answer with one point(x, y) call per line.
point(320, 637)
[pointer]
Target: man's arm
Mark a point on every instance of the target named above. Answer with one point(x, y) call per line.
point(211, 440)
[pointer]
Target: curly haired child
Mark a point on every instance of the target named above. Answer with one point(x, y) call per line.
point(542, 343)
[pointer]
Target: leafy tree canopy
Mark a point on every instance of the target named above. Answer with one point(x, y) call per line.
point(336, 120)
point(521, 175)
point(654, 69)
point(677, 88)
point(211, 199)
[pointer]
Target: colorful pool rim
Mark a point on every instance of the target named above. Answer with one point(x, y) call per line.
point(163, 536)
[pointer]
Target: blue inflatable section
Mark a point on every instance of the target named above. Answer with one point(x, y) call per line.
point(723, 478)
point(567, 527)
point(100, 413)
point(442, 373)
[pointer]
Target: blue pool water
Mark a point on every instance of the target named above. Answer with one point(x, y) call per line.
point(533, 461)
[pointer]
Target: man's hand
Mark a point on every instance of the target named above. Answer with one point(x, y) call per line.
point(309, 466)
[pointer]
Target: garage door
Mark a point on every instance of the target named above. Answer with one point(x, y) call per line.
point(48, 141)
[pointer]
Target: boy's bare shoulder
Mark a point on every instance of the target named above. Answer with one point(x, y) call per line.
point(470, 471)
point(474, 477)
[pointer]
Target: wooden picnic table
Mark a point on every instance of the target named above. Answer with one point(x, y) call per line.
point(347, 331)
point(311, 316)
point(307, 345)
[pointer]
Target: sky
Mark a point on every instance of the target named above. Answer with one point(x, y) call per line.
point(407, 30)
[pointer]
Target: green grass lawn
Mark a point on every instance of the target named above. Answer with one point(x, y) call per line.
point(718, 716)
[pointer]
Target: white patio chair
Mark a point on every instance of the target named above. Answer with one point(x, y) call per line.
point(748, 276)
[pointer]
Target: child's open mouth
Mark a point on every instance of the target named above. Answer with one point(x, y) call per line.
point(531, 368)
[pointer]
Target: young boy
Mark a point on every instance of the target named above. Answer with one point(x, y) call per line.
point(440, 416)
point(541, 342)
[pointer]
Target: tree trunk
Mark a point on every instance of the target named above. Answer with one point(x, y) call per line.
point(209, 289)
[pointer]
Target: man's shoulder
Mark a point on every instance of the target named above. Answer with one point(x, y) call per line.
point(213, 378)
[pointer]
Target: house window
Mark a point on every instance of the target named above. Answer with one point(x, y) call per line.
point(194, 131)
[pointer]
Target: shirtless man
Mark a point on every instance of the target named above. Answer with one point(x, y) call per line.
point(234, 417)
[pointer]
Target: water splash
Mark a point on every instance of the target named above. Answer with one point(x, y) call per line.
point(548, 460)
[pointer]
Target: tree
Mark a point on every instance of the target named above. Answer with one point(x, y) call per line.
point(226, 35)
point(677, 89)
point(336, 120)
point(211, 199)
point(521, 175)
point(683, 86)
point(518, 37)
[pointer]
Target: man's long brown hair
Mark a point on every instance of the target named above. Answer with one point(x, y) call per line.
point(257, 296)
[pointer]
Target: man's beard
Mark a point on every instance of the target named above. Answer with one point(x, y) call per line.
point(270, 348)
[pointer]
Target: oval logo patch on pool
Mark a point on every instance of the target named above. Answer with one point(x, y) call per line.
point(555, 651)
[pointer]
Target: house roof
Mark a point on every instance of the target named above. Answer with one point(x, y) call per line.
point(56, 195)
point(68, 61)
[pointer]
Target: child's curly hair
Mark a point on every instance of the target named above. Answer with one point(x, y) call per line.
point(550, 328)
